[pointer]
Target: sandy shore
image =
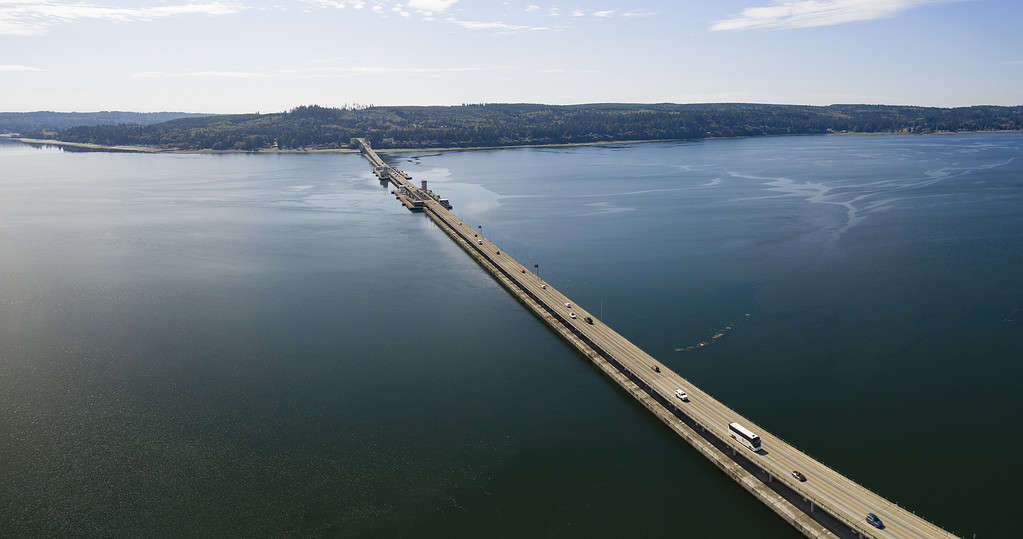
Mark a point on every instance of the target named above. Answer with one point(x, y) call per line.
point(153, 149)
point(87, 146)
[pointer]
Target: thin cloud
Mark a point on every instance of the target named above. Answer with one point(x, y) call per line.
point(1014, 63)
point(15, 67)
point(200, 75)
point(604, 13)
point(428, 8)
point(431, 6)
point(782, 14)
point(496, 25)
point(425, 8)
point(303, 72)
point(639, 13)
point(386, 69)
point(28, 18)
point(564, 70)
point(339, 4)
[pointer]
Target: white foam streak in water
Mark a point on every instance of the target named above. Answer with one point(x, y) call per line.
point(712, 183)
point(813, 192)
point(606, 208)
point(859, 206)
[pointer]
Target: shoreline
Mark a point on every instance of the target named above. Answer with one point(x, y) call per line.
point(153, 149)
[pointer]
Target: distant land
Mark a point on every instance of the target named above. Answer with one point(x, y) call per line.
point(499, 125)
point(23, 122)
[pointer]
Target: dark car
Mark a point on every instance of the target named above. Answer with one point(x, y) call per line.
point(589, 320)
point(874, 521)
point(655, 368)
point(798, 475)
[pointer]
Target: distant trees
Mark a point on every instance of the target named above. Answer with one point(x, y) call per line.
point(467, 125)
point(23, 122)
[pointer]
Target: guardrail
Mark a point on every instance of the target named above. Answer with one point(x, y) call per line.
point(714, 439)
point(782, 489)
point(796, 498)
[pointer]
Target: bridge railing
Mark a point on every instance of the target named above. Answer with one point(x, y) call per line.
point(719, 441)
point(708, 434)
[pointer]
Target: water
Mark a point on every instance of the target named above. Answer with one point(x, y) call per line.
point(272, 345)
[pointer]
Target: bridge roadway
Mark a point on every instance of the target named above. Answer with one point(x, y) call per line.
point(840, 497)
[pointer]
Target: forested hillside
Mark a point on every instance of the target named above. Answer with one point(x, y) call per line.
point(23, 122)
point(520, 124)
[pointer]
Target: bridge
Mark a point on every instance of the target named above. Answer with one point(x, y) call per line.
point(825, 504)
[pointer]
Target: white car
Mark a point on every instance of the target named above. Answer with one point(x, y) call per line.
point(682, 395)
point(568, 305)
point(572, 315)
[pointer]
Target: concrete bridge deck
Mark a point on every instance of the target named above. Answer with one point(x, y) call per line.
point(827, 504)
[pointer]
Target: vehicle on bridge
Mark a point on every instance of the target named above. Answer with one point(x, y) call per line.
point(875, 521)
point(572, 315)
point(743, 435)
point(655, 368)
point(589, 320)
point(799, 476)
point(682, 395)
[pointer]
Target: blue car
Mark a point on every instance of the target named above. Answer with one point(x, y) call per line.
point(874, 521)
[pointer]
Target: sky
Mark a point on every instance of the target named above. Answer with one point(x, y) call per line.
point(233, 56)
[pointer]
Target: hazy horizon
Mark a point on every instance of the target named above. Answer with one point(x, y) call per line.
point(157, 111)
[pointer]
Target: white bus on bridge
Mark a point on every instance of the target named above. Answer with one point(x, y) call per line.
point(742, 435)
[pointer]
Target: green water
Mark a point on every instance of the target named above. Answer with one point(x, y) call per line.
point(271, 345)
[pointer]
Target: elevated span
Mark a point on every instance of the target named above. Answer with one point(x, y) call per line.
point(826, 504)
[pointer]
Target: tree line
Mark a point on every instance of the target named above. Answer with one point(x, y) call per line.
point(315, 127)
point(24, 122)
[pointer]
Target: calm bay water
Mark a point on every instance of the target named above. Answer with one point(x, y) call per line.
point(271, 345)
